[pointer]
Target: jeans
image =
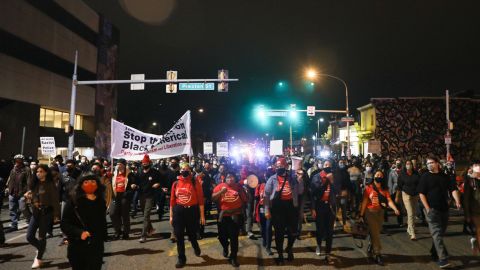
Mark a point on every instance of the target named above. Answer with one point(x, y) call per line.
point(324, 223)
point(17, 205)
point(228, 230)
point(284, 218)
point(40, 220)
point(265, 229)
point(148, 203)
point(120, 214)
point(185, 219)
point(437, 224)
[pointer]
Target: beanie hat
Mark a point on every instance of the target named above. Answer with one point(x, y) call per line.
point(282, 162)
point(146, 159)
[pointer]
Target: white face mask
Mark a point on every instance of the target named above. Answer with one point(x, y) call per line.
point(476, 169)
point(368, 169)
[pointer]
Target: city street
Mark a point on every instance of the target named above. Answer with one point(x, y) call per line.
point(159, 253)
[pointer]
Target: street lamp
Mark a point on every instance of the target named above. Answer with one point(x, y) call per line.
point(154, 124)
point(280, 123)
point(312, 74)
point(200, 110)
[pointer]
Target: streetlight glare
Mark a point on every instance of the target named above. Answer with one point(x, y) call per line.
point(280, 123)
point(200, 110)
point(321, 119)
point(154, 123)
point(311, 74)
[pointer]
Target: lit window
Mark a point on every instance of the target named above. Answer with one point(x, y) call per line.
point(42, 117)
point(65, 119)
point(78, 122)
point(49, 118)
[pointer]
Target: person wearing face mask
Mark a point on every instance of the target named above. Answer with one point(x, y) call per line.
point(342, 180)
point(46, 209)
point(84, 222)
point(232, 199)
point(376, 199)
point(221, 175)
point(281, 202)
point(122, 183)
point(394, 190)
point(472, 203)
point(17, 185)
point(367, 175)
point(407, 183)
point(434, 189)
point(265, 224)
point(147, 181)
point(324, 206)
point(186, 212)
point(355, 180)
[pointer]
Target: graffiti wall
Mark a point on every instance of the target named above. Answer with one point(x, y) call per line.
point(416, 127)
point(106, 95)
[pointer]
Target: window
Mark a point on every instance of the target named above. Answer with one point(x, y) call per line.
point(58, 119)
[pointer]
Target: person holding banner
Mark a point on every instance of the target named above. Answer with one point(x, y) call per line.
point(148, 180)
point(232, 199)
point(186, 212)
point(281, 202)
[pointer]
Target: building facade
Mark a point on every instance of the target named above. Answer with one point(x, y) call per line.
point(37, 48)
point(415, 127)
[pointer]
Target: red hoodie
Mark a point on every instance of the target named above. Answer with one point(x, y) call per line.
point(185, 193)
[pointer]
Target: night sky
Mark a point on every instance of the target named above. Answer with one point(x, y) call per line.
point(380, 48)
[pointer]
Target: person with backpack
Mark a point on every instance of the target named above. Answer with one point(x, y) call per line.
point(376, 199)
point(186, 212)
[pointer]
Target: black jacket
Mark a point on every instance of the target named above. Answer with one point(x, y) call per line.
point(408, 183)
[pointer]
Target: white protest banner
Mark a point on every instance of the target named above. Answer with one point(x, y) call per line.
point(276, 148)
point(133, 144)
point(47, 145)
point(207, 148)
point(222, 149)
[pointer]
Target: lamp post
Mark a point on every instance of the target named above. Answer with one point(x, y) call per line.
point(312, 74)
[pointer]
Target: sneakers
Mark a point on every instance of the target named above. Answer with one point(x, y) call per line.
point(443, 264)
point(225, 252)
point(474, 245)
point(234, 262)
point(36, 263)
point(197, 250)
point(143, 239)
point(413, 238)
point(250, 235)
point(269, 251)
point(318, 251)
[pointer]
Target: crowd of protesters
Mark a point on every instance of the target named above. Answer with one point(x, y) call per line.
point(278, 193)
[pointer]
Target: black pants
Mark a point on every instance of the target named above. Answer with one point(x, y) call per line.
point(160, 202)
point(120, 214)
point(324, 223)
point(40, 220)
point(185, 219)
point(284, 217)
point(85, 257)
point(228, 230)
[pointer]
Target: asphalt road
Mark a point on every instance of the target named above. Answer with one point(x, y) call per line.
point(158, 253)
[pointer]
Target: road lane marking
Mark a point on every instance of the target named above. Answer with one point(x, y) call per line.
point(16, 237)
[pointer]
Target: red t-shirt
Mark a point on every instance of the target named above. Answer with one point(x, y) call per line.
point(185, 194)
point(287, 190)
point(372, 195)
point(233, 198)
point(260, 192)
point(120, 183)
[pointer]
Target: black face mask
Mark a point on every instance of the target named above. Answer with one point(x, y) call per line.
point(185, 173)
point(175, 165)
point(379, 180)
point(281, 171)
point(327, 170)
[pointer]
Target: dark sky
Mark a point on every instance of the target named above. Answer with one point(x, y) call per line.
point(380, 48)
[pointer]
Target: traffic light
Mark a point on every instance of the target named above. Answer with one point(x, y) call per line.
point(223, 75)
point(293, 112)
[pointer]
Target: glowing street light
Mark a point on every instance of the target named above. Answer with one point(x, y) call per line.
point(280, 123)
point(311, 74)
point(154, 124)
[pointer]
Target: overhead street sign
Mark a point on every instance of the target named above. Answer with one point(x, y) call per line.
point(276, 114)
point(348, 119)
point(137, 86)
point(310, 110)
point(196, 86)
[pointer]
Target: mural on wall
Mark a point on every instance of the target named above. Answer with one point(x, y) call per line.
point(106, 95)
point(416, 127)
